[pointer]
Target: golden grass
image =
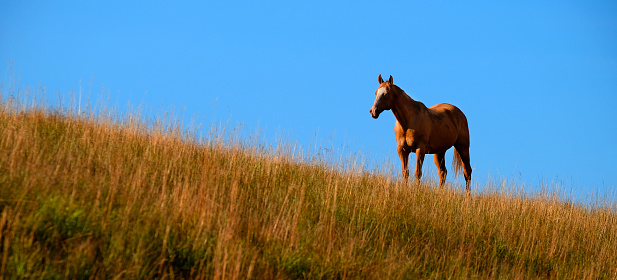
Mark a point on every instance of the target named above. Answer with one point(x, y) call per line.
point(92, 196)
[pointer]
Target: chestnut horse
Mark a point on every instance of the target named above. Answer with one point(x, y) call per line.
point(425, 131)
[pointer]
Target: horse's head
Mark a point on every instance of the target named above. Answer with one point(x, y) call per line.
point(383, 97)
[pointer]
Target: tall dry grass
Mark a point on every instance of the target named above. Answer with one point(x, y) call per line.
point(90, 194)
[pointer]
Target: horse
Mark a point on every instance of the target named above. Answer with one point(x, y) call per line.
point(425, 131)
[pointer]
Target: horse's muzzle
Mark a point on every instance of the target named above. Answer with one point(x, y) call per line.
point(374, 112)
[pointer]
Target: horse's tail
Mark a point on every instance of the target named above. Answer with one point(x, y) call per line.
point(457, 163)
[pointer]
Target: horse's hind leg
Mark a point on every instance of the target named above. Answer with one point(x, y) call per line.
point(463, 151)
point(441, 165)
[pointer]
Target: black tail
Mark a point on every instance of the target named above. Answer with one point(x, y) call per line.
point(457, 163)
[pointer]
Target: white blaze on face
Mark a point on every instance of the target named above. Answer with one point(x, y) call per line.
point(381, 91)
point(377, 109)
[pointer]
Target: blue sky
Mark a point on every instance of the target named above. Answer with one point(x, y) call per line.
point(537, 81)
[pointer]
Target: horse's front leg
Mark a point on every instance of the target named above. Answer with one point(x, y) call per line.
point(419, 160)
point(403, 153)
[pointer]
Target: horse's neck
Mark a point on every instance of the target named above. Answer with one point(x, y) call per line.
point(405, 109)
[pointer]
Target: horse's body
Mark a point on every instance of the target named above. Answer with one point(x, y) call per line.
point(425, 130)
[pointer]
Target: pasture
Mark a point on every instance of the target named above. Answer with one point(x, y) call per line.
point(96, 195)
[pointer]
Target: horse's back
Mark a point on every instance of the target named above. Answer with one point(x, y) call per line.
point(449, 112)
point(445, 113)
point(446, 107)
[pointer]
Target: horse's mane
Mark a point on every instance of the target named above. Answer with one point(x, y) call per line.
point(398, 89)
point(408, 98)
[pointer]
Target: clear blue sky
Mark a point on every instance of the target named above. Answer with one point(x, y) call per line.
point(536, 79)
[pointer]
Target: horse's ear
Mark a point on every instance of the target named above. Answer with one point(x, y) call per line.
point(391, 81)
point(380, 79)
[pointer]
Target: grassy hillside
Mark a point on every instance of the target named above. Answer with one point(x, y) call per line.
point(96, 197)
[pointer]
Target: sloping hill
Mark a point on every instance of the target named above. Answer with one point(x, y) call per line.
point(89, 197)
